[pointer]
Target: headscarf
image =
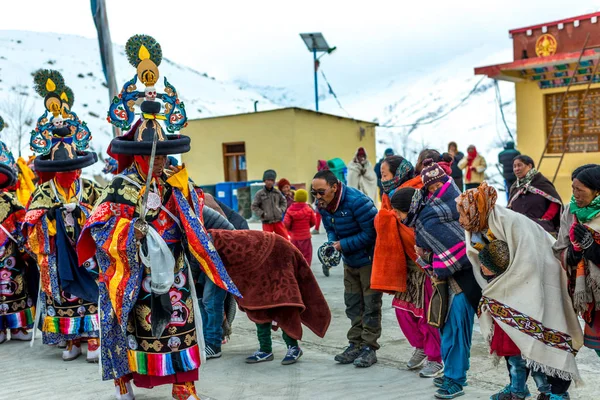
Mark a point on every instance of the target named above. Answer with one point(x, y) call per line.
point(404, 172)
point(590, 177)
point(475, 206)
point(526, 179)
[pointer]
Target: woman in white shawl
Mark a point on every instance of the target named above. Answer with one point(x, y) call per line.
point(529, 301)
point(361, 174)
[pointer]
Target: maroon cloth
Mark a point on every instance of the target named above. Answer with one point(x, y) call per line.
point(298, 221)
point(502, 345)
point(318, 221)
point(149, 381)
point(275, 281)
point(305, 247)
point(322, 165)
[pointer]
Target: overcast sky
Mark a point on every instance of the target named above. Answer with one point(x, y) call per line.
point(258, 40)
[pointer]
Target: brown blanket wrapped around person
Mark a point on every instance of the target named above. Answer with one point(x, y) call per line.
point(276, 283)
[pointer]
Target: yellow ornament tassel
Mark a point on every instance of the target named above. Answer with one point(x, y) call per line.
point(26, 185)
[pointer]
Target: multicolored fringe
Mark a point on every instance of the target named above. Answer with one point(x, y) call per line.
point(21, 319)
point(155, 364)
point(71, 326)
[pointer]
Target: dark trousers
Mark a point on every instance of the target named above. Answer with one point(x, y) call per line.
point(363, 307)
point(472, 186)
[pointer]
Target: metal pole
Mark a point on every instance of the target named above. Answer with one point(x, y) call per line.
point(316, 86)
point(106, 55)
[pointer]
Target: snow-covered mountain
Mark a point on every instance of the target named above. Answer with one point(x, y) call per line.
point(78, 59)
point(422, 107)
point(432, 107)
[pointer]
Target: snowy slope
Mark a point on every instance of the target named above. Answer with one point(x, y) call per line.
point(427, 108)
point(78, 59)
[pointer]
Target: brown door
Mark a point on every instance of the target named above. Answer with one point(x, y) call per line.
point(234, 162)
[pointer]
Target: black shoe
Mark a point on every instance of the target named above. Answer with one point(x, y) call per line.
point(212, 351)
point(366, 358)
point(325, 270)
point(349, 355)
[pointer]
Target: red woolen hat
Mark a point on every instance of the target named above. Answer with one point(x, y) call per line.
point(282, 183)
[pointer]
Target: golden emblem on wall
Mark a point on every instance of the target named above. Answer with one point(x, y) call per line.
point(546, 45)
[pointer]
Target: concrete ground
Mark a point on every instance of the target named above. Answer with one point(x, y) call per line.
point(39, 373)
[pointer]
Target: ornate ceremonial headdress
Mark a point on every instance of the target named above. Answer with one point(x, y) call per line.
point(61, 138)
point(8, 167)
point(145, 54)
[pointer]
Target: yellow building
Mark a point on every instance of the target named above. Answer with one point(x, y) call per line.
point(241, 147)
point(553, 65)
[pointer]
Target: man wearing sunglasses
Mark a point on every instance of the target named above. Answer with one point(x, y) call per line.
point(348, 217)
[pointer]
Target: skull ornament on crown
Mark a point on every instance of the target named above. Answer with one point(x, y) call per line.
point(61, 138)
point(150, 93)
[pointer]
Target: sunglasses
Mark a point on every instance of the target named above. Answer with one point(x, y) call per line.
point(320, 193)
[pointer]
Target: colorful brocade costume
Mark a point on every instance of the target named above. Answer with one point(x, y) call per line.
point(65, 316)
point(128, 345)
point(17, 309)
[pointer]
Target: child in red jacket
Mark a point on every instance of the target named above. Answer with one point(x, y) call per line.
point(299, 218)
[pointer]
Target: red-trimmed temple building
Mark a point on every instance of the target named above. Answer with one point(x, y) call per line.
point(547, 58)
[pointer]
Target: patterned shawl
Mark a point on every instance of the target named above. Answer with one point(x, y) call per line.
point(404, 172)
point(475, 206)
point(530, 300)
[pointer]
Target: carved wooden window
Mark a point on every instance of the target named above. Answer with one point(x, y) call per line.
point(584, 128)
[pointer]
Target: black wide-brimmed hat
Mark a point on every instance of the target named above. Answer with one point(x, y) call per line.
point(145, 54)
point(8, 167)
point(61, 140)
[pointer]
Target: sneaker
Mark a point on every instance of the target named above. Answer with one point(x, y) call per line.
point(366, 358)
point(417, 360)
point(432, 369)
point(72, 352)
point(325, 270)
point(93, 351)
point(21, 334)
point(439, 381)
point(212, 351)
point(506, 394)
point(349, 355)
point(186, 391)
point(123, 390)
point(259, 356)
point(2, 337)
point(293, 354)
point(449, 390)
point(62, 344)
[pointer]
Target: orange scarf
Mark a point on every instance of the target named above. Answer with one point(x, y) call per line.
point(394, 243)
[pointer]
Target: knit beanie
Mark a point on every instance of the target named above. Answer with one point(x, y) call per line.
point(282, 183)
point(402, 199)
point(388, 152)
point(269, 175)
point(432, 173)
point(495, 256)
point(301, 196)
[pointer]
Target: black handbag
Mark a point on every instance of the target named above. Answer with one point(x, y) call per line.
point(438, 305)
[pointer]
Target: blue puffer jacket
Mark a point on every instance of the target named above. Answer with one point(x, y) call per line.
point(352, 225)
